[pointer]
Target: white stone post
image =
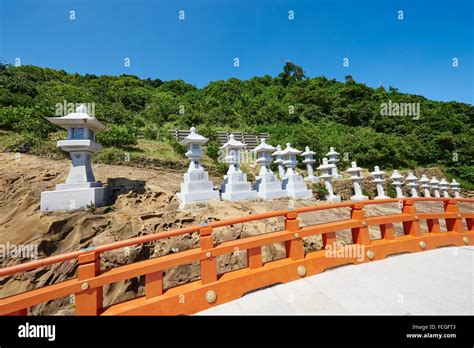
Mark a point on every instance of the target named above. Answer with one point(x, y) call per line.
point(196, 186)
point(80, 189)
point(455, 187)
point(309, 161)
point(378, 181)
point(425, 185)
point(294, 184)
point(397, 182)
point(235, 186)
point(267, 184)
point(434, 184)
point(332, 159)
point(279, 162)
point(412, 184)
point(444, 186)
point(356, 178)
point(326, 170)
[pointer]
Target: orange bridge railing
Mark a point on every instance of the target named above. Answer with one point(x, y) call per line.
point(213, 288)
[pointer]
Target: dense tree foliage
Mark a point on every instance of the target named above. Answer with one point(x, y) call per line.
point(294, 108)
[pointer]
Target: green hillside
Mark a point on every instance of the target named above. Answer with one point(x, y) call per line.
point(293, 108)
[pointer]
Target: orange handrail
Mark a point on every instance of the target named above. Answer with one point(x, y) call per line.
point(90, 264)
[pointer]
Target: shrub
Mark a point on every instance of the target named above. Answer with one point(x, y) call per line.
point(319, 191)
point(150, 132)
point(212, 150)
point(117, 135)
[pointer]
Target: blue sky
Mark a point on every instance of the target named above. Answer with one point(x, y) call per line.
point(415, 54)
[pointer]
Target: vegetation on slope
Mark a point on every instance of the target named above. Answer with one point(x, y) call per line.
point(293, 108)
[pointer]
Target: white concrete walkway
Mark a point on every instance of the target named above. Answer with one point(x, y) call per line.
point(440, 282)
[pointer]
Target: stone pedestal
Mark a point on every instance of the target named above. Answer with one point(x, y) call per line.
point(379, 181)
point(235, 186)
point(444, 187)
point(434, 185)
point(425, 185)
point(326, 170)
point(309, 161)
point(80, 189)
point(412, 184)
point(294, 184)
point(356, 178)
point(455, 187)
point(267, 184)
point(397, 182)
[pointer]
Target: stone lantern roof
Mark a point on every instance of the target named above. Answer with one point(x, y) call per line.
point(411, 177)
point(454, 184)
point(377, 171)
point(424, 179)
point(278, 151)
point(354, 168)
point(78, 118)
point(308, 152)
point(264, 147)
point(332, 152)
point(194, 138)
point(233, 144)
point(434, 181)
point(443, 182)
point(326, 165)
point(396, 175)
point(289, 150)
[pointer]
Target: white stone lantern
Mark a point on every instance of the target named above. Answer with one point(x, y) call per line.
point(80, 188)
point(235, 186)
point(332, 159)
point(397, 182)
point(279, 162)
point(356, 178)
point(326, 170)
point(444, 186)
point(293, 182)
point(267, 184)
point(425, 185)
point(412, 184)
point(196, 186)
point(434, 184)
point(309, 161)
point(455, 187)
point(379, 181)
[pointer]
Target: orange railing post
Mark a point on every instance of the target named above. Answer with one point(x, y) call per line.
point(360, 235)
point(254, 257)
point(411, 227)
point(433, 225)
point(294, 247)
point(154, 284)
point(453, 224)
point(209, 264)
point(386, 231)
point(89, 300)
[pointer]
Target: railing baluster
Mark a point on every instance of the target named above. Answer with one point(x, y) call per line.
point(208, 265)
point(453, 224)
point(329, 239)
point(386, 230)
point(88, 301)
point(154, 284)
point(412, 227)
point(294, 247)
point(254, 257)
point(433, 225)
point(470, 224)
point(360, 235)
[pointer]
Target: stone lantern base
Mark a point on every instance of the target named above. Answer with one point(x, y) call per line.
point(268, 187)
point(236, 187)
point(73, 196)
point(197, 188)
point(358, 198)
point(296, 187)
